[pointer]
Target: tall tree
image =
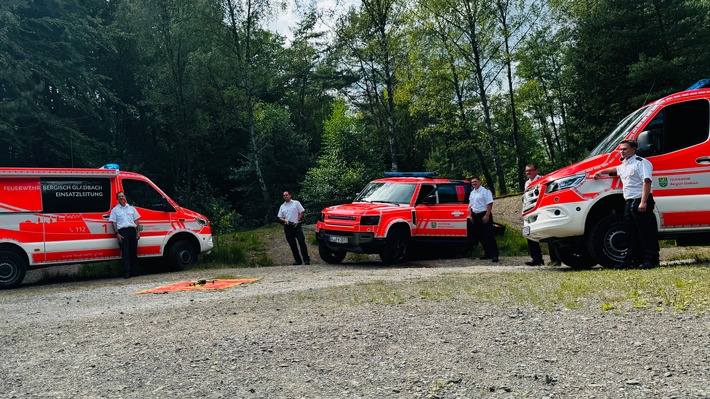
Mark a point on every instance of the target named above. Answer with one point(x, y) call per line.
point(51, 91)
point(371, 44)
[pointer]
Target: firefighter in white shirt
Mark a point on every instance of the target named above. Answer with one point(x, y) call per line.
point(290, 214)
point(639, 221)
point(480, 204)
point(124, 219)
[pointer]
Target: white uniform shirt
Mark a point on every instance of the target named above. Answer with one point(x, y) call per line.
point(633, 172)
point(527, 183)
point(479, 199)
point(290, 211)
point(124, 216)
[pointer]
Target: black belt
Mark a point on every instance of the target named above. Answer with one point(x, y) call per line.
point(129, 227)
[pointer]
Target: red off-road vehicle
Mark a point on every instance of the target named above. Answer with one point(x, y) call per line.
point(391, 214)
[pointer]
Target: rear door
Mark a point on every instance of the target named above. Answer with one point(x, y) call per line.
point(441, 211)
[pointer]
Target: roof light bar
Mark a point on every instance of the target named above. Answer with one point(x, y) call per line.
point(700, 84)
point(410, 174)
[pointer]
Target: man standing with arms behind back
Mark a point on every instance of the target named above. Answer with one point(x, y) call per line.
point(290, 214)
point(533, 246)
point(124, 219)
point(636, 175)
point(480, 204)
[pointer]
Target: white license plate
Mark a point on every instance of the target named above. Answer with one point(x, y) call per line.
point(338, 240)
point(526, 231)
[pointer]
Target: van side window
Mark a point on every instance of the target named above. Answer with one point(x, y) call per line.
point(143, 195)
point(452, 194)
point(678, 126)
point(75, 195)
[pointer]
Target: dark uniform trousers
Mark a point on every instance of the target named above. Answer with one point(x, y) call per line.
point(484, 233)
point(642, 232)
point(293, 234)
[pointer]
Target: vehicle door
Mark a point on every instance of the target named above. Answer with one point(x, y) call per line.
point(675, 141)
point(441, 211)
point(157, 215)
point(75, 221)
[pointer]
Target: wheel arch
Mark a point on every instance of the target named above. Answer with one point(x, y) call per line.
point(182, 236)
point(10, 247)
point(398, 225)
point(610, 204)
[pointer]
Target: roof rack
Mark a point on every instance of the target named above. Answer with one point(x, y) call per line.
point(410, 174)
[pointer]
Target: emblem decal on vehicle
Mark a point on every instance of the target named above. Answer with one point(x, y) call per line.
point(433, 225)
point(663, 181)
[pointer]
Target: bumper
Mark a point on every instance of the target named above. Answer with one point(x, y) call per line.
point(364, 243)
point(556, 221)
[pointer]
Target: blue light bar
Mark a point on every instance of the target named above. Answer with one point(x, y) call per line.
point(112, 166)
point(700, 84)
point(410, 174)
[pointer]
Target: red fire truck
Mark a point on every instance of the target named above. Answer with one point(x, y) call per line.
point(582, 217)
point(390, 214)
point(54, 216)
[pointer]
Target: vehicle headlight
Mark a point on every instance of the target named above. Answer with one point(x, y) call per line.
point(564, 183)
point(322, 217)
point(202, 222)
point(369, 220)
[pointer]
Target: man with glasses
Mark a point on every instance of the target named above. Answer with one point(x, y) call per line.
point(640, 225)
point(533, 246)
point(290, 214)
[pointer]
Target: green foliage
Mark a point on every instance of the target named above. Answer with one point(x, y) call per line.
point(201, 198)
point(347, 162)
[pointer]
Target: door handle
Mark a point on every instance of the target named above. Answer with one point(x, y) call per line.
point(105, 216)
point(457, 213)
point(703, 160)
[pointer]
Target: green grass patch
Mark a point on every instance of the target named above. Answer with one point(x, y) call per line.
point(665, 289)
point(241, 249)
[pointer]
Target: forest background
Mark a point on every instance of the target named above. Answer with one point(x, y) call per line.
point(224, 114)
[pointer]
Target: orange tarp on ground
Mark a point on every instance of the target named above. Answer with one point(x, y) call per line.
point(197, 285)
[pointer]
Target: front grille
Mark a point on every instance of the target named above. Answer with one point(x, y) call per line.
point(342, 217)
point(530, 197)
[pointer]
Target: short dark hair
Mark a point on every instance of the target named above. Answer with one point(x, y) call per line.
point(531, 165)
point(632, 143)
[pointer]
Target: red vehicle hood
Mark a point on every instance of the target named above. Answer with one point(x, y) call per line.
point(361, 208)
point(589, 166)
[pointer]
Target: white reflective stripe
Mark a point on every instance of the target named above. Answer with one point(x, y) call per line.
point(683, 203)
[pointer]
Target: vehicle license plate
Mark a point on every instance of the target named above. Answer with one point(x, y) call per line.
point(338, 240)
point(526, 231)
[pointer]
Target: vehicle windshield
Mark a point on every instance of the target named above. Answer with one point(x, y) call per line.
point(611, 141)
point(391, 193)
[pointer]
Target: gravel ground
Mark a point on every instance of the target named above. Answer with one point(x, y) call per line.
point(315, 332)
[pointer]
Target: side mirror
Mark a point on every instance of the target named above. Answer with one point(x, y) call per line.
point(430, 200)
point(645, 142)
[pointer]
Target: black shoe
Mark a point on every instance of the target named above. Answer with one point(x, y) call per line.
point(535, 263)
point(495, 259)
point(308, 262)
point(296, 263)
point(648, 265)
point(484, 257)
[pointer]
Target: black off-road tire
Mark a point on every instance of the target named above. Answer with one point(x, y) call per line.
point(12, 269)
point(180, 255)
point(607, 242)
point(396, 247)
point(331, 256)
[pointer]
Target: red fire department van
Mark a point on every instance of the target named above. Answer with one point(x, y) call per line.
point(582, 217)
point(54, 216)
point(390, 214)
